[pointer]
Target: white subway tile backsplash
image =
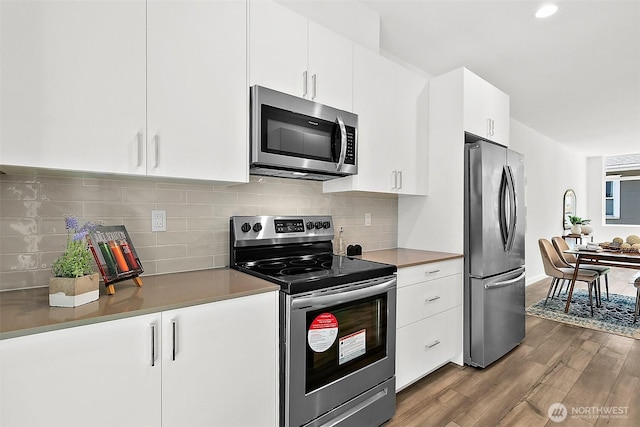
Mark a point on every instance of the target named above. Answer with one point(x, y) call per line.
point(32, 209)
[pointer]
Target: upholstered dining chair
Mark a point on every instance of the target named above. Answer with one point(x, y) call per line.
point(561, 246)
point(636, 283)
point(555, 267)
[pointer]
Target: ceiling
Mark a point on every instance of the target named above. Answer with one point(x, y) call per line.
point(574, 77)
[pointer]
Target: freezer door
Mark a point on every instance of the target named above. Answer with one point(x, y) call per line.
point(495, 317)
point(494, 212)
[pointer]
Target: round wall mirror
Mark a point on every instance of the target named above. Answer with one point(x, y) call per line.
point(569, 208)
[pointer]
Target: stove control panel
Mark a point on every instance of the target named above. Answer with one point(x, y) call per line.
point(289, 225)
point(250, 230)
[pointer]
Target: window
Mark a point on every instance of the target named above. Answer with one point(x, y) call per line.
point(612, 199)
point(622, 190)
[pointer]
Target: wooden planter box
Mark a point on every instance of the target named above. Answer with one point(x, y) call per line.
point(72, 292)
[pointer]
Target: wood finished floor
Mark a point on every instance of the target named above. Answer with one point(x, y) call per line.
point(578, 367)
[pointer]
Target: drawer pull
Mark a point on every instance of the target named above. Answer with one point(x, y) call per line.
point(426, 273)
point(432, 299)
point(435, 343)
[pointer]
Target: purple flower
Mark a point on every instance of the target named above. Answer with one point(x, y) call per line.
point(79, 236)
point(71, 222)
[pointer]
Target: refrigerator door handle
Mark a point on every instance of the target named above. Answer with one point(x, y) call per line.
point(505, 283)
point(502, 208)
point(513, 218)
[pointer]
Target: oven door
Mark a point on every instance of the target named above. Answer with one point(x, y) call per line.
point(341, 345)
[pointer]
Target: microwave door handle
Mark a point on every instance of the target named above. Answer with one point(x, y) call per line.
point(343, 143)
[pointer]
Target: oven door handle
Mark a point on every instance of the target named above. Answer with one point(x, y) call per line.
point(318, 301)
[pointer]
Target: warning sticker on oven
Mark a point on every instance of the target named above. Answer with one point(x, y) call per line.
point(322, 332)
point(352, 346)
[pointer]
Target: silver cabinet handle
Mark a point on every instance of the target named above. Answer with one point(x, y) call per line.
point(139, 140)
point(156, 142)
point(435, 298)
point(153, 344)
point(343, 142)
point(304, 84)
point(173, 339)
point(400, 179)
point(395, 180)
point(488, 127)
point(314, 89)
point(426, 273)
point(433, 344)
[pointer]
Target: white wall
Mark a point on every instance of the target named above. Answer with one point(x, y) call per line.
point(550, 169)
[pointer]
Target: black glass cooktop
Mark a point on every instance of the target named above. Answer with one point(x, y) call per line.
point(305, 273)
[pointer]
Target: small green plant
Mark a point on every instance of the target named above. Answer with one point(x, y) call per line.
point(577, 220)
point(76, 259)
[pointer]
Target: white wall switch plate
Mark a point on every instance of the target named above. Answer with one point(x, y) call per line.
point(158, 220)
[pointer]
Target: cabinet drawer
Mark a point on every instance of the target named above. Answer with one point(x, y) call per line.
point(416, 302)
point(431, 271)
point(426, 345)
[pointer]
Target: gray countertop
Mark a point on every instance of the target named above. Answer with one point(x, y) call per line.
point(25, 312)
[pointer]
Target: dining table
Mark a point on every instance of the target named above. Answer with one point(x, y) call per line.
point(602, 257)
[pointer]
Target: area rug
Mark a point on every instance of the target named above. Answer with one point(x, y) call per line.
point(614, 316)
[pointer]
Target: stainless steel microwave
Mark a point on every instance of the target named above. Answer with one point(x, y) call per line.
point(293, 137)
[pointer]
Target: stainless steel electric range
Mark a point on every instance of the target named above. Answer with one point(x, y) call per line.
point(337, 320)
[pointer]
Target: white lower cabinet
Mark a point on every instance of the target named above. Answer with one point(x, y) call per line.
point(429, 319)
point(219, 363)
point(200, 365)
point(94, 375)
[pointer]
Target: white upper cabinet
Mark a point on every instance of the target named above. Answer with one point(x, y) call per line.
point(197, 90)
point(165, 93)
point(486, 109)
point(330, 65)
point(291, 54)
point(391, 103)
point(73, 85)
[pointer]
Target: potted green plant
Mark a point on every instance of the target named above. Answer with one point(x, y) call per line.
point(575, 224)
point(74, 282)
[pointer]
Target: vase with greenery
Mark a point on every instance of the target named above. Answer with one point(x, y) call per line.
point(577, 224)
point(74, 282)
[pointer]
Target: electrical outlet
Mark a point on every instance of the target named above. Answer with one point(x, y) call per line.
point(367, 220)
point(158, 220)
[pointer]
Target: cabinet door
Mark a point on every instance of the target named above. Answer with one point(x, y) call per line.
point(220, 365)
point(330, 68)
point(498, 106)
point(486, 109)
point(277, 48)
point(73, 85)
point(476, 113)
point(197, 90)
point(410, 134)
point(426, 345)
point(374, 90)
point(97, 375)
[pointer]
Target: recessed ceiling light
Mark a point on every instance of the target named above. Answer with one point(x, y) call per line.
point(546, 10)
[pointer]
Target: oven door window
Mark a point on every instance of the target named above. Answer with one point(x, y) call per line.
point(291, 134)
point(344, 338)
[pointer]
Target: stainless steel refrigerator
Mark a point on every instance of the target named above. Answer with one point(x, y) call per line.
point(494, 316)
